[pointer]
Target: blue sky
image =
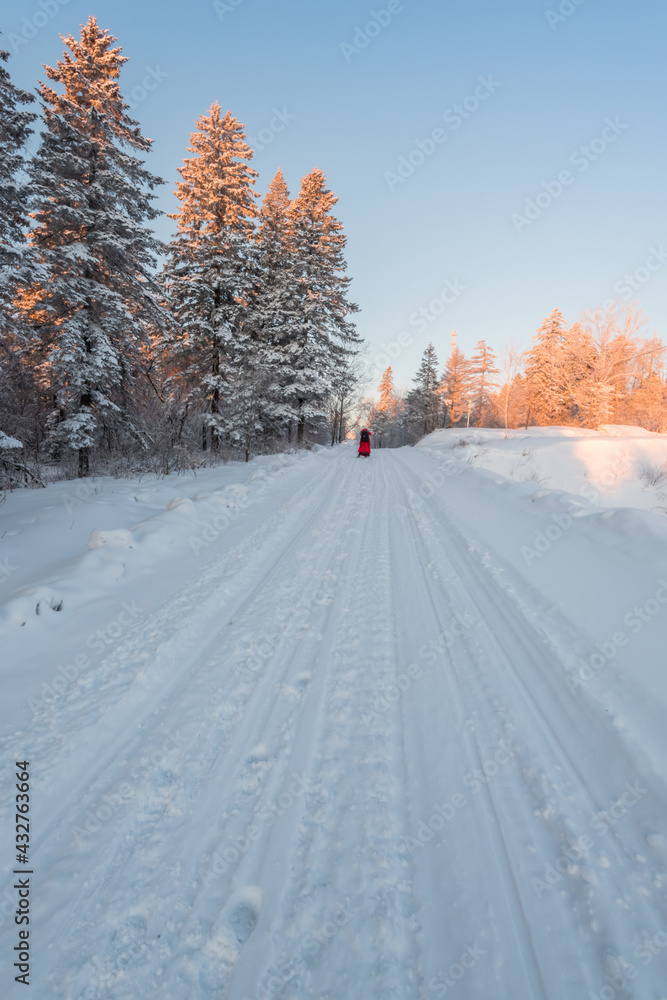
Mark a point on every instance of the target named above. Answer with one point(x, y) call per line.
point(552, 85)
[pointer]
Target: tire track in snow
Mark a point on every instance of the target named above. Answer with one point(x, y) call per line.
point(528, 664)
point(104, 871)
point(347, 844)
point(523, 977)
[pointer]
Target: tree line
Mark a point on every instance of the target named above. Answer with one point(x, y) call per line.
point(235, 337)
point(600, 370)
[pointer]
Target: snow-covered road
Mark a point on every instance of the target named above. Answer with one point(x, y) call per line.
point(351, 752)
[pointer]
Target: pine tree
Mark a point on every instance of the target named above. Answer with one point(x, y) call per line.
point(456, 386)
point(274, 314)
point(423, 402)
point(325, 340)
point(18, 398)
point(483, 372)
point(384, 412)
point(90, 198)
point(387, 392)
point(209, 276)
point(14, 132)
point(545, 372)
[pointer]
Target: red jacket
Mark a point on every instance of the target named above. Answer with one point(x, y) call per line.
point(365, 442)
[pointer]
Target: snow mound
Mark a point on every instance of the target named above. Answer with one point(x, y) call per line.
point(120, 537)
point(615, 466)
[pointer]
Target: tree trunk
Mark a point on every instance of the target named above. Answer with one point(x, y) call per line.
point(84, 462)
point(215, 402)
point(301, 424)
point(84, 453)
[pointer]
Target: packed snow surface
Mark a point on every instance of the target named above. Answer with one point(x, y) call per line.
point(325, 727)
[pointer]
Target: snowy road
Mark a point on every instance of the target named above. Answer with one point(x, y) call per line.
point(341, 759)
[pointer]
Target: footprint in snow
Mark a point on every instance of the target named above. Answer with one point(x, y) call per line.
point(243, 914)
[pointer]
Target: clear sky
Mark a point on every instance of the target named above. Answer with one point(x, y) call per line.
point(355, 102)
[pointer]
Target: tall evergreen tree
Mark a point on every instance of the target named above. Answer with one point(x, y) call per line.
point(325, 339)
point(209, 276)
point(18, 396)
point(456, 386)
point(387, 392)
point(15, 129)
point(423, 402)
point(90, 198)
point(483, 372)
point(274, 313)
point(385, 413)
point(544, 372)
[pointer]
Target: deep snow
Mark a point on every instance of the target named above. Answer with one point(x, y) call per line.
point(317, 727)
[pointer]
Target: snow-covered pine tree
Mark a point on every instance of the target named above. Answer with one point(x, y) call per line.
point(483, 372)
point(15, 129)
point(18, 394)
point(325, 339)
point(210, 275)
point(274, 314)
point(90, 199)
point(544, 373)
point(456, 386)
point(423, 402)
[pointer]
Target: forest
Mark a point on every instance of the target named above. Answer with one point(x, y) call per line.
point(120, 354)
point(600, 370)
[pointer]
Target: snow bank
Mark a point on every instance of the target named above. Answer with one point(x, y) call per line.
point(71, 543)
point(615, 466)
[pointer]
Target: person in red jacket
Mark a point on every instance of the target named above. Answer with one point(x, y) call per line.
point(365, 443)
